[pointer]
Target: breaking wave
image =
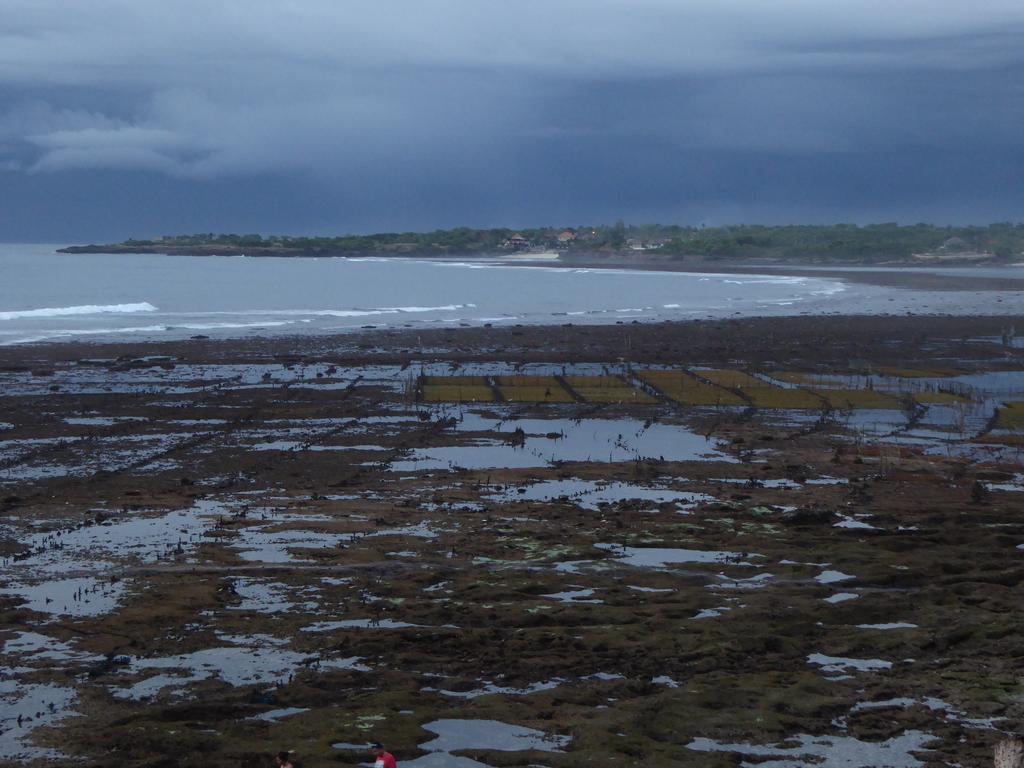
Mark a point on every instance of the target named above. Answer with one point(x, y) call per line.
point(346, 312)
point(84, 309)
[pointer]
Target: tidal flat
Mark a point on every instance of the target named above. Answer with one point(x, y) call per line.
point(784, 542)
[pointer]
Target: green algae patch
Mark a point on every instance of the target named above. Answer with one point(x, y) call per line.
point(1011, 415)
point(456, 389)
point(687, 390)
point(854, 399)
point(607, 389)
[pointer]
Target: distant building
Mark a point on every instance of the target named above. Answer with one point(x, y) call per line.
point(954, 244)
point(566, 236)
point(516, 242)
point(634, 244)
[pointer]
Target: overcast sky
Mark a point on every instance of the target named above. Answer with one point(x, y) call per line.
point(127, 118)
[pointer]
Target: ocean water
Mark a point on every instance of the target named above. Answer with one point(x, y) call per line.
point(46, 296)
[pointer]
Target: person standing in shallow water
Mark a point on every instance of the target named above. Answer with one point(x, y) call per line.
point(382, 758)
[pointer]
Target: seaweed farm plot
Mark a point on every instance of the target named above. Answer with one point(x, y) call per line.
point(761, 393)
point(532, 389)
point(607, 389)
point(688, 390)
point(647, 566)
point(1011, 416)
point(457, 389)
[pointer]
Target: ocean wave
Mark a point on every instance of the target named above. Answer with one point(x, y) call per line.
point(357, 312)
point(216, 326)
point(84, 309)
point(59, 333)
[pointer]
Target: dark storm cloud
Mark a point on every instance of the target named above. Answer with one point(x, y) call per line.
point(411, 113)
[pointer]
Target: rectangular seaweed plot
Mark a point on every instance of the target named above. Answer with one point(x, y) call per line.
point(686, 390)
point(845, 392)
point(852, 399)
point(532, 389)
point(1011, 416)
point(915, 373)
point(940, 398)
point(457, 389)
point(761, 393)
point(607, 389)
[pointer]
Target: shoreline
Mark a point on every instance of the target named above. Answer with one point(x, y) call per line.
point(921, 275)
point(894, 275)
point(342, 321)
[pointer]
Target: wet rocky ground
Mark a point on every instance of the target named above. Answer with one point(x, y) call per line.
point(214, 551)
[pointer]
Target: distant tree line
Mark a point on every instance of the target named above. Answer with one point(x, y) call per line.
point(828, 243)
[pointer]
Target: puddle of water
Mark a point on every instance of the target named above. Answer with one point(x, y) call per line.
point(936, 705)
point(492, 689)
point(832, 577)
point(871, 422)
point(100, 421)
point(350, 747)
point(889, 626)
point(259, 640)
point(841, 597)
point(235, 665)
point(826, 751)
point(591, 494)
point(77, 597)
point(1013, 486)
point(547, 441)
point(573, 566)
point(455, 735)
point(141, 539)
point(662, 557)
point(710, 613)
point(293, 445)
point(839, 665)
point(260, 545)
point(24, 707)
point(256, 544)
point(605, 676)
point(846, 521)
point(31, 646)
point(443, 760)
point(759, 581)
point(574, 596)
point(265, 596)
point(278, 714)
point(353, 663)
point(779, 483)
point(330, 626)
point(665, 680)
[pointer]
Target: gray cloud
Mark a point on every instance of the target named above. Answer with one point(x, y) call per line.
point(474, 97)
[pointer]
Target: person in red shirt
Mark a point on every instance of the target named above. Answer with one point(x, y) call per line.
point(382, 758)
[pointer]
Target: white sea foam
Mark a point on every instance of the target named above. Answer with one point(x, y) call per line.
point(58, 333)
point(356, 312)
point(84, 309)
